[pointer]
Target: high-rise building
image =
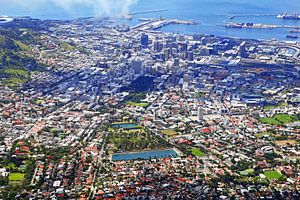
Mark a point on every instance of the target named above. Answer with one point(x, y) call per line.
point(158, 46)
point(190, 56)
point(166, 53)
point(200, 114)
point(242, 50)
point(144, 40)
point(204, 52)
point(137, 66)
point(176, 62)
point(183, 47)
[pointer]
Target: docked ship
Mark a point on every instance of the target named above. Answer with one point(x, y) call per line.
point(295, 16)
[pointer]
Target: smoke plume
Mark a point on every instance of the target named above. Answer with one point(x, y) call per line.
point(97, 7)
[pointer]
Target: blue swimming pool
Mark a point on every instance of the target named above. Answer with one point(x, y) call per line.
point(145, 155)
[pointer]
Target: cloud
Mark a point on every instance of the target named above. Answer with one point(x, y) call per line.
point(97, 7)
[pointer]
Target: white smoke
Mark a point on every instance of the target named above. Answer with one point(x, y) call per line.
point(97, 7)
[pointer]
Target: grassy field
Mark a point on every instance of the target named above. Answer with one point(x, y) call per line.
point(39, 101)
point(123, 141)
point(260, 135)
point(11, 165)
point(67, 47)
point(272, 175)
point(247, 172)
point(280, 119)
point(285, 118)
point(16, 177)
point(144, 105)
point(21, 45)
point(199, 95)
point(270, 107)
point(169, 132)
point(196, 152)
point(16, 72)
point(271, 121)
point(16, 76)
point(12, 82)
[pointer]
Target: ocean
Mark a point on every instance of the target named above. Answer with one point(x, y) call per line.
point(208, 13)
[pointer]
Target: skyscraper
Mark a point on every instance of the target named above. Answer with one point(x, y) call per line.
point(190, 55)
point(200, 113)
point(242, 51)
point(137, 66)
point(144, 40)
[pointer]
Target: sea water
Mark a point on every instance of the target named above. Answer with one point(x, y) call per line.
point(208, 13)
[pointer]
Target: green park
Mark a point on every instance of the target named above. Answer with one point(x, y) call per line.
point(280, 119)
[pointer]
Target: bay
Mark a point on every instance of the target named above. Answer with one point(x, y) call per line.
point(208, 13)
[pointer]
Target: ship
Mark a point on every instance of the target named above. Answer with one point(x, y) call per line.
point(294, 16)
point(297, 30)
point(292, 36)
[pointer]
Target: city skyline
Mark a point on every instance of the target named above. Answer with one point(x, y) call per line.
point(157, 103)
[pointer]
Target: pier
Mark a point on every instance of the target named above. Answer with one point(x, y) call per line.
point(154, 24)
point(257, 26)
point(147, 11)
point(252, 15)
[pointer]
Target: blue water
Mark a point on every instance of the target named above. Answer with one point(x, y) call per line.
point(145, 155)
point(125, 126)
point(208, 13)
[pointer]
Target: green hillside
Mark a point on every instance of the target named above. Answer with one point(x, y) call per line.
point(15, 67)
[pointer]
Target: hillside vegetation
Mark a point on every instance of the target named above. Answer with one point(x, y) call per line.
point(15, 67)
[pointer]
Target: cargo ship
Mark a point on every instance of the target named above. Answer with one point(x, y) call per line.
point(292, 36)
point(295, 16)
point(250, 25)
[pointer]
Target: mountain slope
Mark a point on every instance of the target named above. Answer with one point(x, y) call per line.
point(15, 67)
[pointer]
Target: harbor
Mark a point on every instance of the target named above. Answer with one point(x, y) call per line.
point(129, 16)
point(257, 26)
point(154, 24)
point(147, 11)
point(251, 15)
point(294, 16)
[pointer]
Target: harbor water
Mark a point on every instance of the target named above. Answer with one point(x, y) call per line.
point(208, 13)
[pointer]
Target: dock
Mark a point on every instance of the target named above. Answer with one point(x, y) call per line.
point(154, 24)
point(257, 26)
point(147, 11)
point(252, 15)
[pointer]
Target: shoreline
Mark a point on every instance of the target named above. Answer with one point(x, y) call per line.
point(220, 32)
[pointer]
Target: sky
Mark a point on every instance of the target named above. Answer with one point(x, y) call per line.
point(97, 7)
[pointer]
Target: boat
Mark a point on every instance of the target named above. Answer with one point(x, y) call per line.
point(292, 36)
point(295, 31)
point(295, 16)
